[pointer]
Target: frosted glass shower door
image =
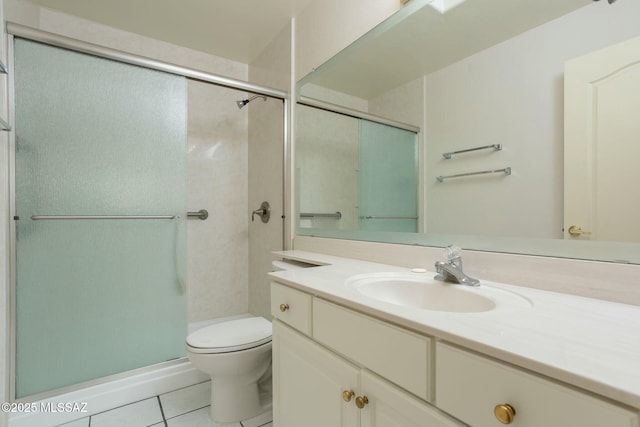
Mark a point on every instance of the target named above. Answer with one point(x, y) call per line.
point(388, 178)
point(96, 297)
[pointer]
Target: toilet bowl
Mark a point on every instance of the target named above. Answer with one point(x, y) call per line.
point(236, 354)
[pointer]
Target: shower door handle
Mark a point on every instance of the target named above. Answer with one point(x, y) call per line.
point(264, 212)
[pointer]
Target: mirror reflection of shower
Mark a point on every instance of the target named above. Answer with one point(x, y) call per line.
point(244, 102)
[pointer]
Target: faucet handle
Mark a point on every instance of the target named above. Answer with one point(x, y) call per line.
point(452, 252)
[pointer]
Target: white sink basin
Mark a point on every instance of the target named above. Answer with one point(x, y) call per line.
point(420, 290)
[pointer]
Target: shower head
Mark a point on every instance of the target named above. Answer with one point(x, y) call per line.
point(244, 102)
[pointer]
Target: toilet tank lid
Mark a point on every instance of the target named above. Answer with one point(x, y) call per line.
point(232, 333)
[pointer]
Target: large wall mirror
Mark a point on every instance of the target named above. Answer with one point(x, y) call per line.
point(518, 120)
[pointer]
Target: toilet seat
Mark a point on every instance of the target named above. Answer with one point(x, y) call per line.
point(230, 336)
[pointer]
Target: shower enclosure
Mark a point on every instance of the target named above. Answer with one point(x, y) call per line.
point(100, 204)
point(105, 156)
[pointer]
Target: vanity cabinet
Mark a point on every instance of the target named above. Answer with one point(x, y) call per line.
point(334, 380)
point(309, 382)
point(313, 386)
point(477, 390)
point(333, 366)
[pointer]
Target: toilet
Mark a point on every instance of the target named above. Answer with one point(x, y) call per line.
point(236, 354)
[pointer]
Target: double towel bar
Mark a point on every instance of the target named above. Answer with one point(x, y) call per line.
point(496, 147)
point(506, 171)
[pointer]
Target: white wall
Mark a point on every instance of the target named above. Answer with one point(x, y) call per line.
point(510, 94)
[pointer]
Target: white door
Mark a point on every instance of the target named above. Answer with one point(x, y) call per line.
point(389, 406)
point(602, 144)
point(309, 382)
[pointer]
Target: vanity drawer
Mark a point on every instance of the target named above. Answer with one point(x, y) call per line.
point(291, 306)
point(396, 354)
point(469, 387)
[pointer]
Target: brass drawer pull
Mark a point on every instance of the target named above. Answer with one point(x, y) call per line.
point(284, 307)
point(505, 413)
point(347, 395)
point(577, 231)
point(361, 401)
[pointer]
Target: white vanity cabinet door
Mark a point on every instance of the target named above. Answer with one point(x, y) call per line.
point(469, 386)
point(291, 306)
point(389, 406)
point(399, 355)
point(309, 382)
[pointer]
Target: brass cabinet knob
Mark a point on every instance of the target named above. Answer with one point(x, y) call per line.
point(505, 413)
point(577, 231)
point(361, 401)
point(284, 307)
point(347, 395)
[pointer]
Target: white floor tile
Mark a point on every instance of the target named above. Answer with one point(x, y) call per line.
point(139, 414)
point(84, 422)
point(186, 400)
point(199, 418)
point(259, 421)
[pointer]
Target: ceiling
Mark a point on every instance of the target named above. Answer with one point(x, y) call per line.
point(234, 29)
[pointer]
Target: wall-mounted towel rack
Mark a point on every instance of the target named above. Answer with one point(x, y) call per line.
point(387, 217)
point(201, 214)
point(496, 147)
point(507, 171)
point(336, 215)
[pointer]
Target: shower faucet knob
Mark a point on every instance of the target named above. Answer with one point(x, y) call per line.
point(264, 212)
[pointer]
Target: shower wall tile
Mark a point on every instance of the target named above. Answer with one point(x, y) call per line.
point(217, 249)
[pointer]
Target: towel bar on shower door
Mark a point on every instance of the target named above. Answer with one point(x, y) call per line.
point(64, 217)
point(201, 214)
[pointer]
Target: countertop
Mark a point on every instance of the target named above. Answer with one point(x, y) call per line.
point(589, 343)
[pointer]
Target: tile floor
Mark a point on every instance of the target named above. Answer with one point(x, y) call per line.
point(186, 407)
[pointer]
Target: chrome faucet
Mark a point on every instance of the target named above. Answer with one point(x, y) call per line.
point(451, 269)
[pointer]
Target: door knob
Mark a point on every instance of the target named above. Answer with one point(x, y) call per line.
point(577, 231)
point(284, 307)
